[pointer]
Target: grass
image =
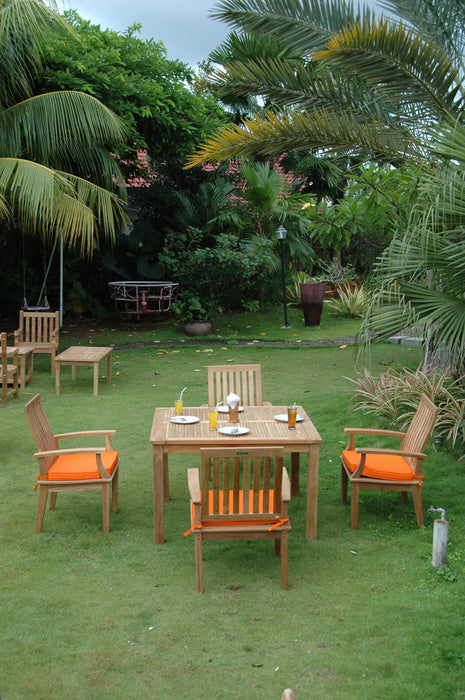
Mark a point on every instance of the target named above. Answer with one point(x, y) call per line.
point(88, 615)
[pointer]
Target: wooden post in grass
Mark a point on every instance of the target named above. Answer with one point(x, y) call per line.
point(440, 537)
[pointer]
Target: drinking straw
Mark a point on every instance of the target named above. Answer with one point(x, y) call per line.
point(182, 392)
point(218, 404)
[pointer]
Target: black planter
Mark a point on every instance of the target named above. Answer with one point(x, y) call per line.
point(312, 296)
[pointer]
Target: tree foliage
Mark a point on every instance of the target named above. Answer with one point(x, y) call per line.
point(135, 79)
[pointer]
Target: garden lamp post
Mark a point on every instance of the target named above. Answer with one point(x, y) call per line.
point(281, 234)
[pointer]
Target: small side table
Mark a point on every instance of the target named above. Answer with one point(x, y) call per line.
point(79, 356)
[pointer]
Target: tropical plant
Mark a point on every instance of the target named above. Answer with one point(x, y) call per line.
point(370, 88)
point(395, 395)
point(350, 301)
point(56, 174)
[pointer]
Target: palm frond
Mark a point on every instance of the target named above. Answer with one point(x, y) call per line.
point(46, 201)
point(400, 62)
point(321, 128)
point(302, 25)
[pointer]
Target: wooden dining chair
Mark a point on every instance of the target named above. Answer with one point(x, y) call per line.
point(72, 469)
point(240, 494)
point(243, 380)
point(381, 469)
point(9, 371)
point(39, 330)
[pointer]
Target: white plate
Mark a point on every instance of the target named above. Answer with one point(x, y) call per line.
point(229, 430)
point(283, 417)
point(225, 409)
point(183, 420)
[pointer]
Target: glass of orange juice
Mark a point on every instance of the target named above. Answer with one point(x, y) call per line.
point(213, 417)
point(178, 405)
point(291, 416)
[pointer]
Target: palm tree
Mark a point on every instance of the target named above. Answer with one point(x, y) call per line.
point(364, 86)
point(385, 89)
point(56, 174)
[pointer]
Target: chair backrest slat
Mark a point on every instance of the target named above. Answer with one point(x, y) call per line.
point(242, 484)
point(420, 429)
point(40, 427)
point(243, 380)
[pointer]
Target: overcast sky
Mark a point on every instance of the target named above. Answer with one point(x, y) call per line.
point(183, 25)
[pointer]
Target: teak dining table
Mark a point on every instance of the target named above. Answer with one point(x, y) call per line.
point(167, 437)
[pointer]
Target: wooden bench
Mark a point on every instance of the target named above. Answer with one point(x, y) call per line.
point(39, 330)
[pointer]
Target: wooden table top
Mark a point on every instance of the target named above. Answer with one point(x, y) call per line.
point(84, 353)
point(264, 428)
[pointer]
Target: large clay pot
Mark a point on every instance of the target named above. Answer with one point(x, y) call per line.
point(312, 296)
point(197, 328)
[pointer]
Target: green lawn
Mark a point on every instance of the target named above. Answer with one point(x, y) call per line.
point(91, 616)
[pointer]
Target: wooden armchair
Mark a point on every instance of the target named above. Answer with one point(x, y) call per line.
point(386, 469)
point(8, 370)
point(241, 494)
point(74, 469)
point(243, 380)
point(39, 330)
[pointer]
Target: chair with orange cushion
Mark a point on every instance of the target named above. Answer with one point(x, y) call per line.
point(386, 469)
point(241, 494)
point(72, 469)
point(243, 380)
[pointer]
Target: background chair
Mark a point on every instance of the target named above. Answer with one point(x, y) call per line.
point(40, 331)
point(75, 469)
point(8, 370)
point(241, 494)
point(243, 380)
point(386, 469)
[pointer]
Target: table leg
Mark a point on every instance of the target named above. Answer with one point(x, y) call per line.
point(295, 474)
point(312, 491)
point(57, 377)
point(95, 378)
point(158, 505)
point(109, 368)
point(73, 372)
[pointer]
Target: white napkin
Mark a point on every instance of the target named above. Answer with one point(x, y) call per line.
point(233, 400)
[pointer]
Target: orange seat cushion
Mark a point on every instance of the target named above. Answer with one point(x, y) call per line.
point(81, 466)
point(390, 467)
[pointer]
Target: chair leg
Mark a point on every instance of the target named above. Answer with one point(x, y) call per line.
point(418, 505)
point(344, 484)
point(114, 492)
point(284, 561)
point(53, 500)
point(198, 562)
point(404, 496)
point(43, 493)
point(277, 547)
point(106, 507)
point(354, 494)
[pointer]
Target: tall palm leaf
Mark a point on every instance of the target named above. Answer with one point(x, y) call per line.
point(56, 174)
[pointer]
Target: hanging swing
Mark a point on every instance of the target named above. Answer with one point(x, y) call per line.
point(45, 306)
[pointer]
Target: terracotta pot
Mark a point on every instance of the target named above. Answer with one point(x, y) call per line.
point(312, 296)
point(197, 328)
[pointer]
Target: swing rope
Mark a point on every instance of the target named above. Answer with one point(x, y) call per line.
point(46, 305)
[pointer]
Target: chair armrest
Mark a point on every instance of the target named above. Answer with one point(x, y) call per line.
point(194, 485)
point(286, 486)
point(387, 451)
point(71, 451)
point(370, 431)
point(90, 433)
point(18, 336)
